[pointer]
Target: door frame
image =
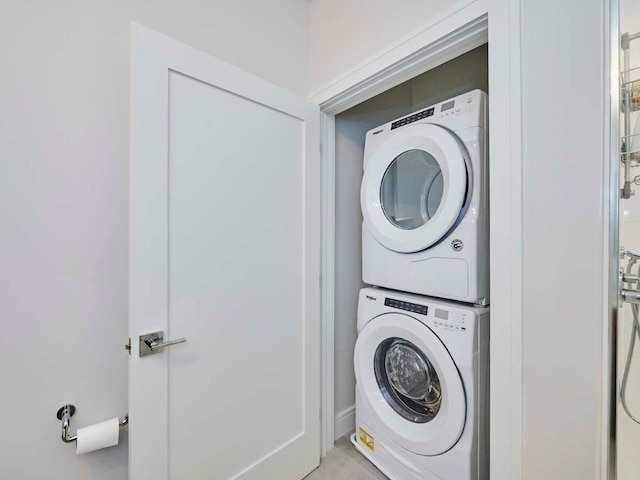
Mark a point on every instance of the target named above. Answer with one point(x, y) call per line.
point(611, 241)
point(460, 29)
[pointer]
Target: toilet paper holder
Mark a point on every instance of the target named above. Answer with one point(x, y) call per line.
point(66, 412)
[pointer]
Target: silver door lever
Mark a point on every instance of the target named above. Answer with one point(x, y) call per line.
point(151, 343)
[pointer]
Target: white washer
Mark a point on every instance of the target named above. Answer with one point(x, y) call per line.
point(421, 368)
point(424, 200)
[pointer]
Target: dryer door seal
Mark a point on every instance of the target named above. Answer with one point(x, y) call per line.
point(415, 186)
point(432, 425)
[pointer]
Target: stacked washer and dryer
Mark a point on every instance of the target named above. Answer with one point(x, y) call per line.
point(422, 352)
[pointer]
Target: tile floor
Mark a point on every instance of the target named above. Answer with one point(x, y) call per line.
point(344, 462)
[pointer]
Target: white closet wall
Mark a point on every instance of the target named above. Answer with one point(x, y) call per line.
point(563, 164)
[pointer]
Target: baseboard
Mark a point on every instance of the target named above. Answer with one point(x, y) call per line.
point(345, 422)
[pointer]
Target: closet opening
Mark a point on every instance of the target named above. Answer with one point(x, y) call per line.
point(460, 75)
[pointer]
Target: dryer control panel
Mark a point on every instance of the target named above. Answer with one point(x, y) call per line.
point(412, 118)
point(459, 113)
point(463, 103)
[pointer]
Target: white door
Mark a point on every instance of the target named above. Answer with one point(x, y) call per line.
point(225, 247)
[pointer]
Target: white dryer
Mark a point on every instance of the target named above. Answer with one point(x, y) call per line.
point(421, 368)
point(424, 200)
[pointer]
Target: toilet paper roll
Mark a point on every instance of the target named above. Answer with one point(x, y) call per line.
point(101, 435)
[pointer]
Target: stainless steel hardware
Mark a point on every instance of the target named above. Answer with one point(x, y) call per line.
point(127, 347)
point(151, 343)
point(629, 287)
point(631, 253)
point(630, 296)
point(630, 96)
point(629, 283)
point(66, 412)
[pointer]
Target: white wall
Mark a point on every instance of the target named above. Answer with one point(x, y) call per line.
point(562, 150)
point(346, 34)
point(628, 433)
point(63, 202)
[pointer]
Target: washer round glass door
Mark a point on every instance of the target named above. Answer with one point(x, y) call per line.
point(414, 187)
point(410, 381)
point(407, 380)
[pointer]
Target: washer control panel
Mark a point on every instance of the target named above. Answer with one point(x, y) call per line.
point(450, 320)
point(409, 307)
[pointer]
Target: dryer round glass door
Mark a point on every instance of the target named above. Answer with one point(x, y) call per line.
point(411, 383)
point(411, 189)
point(415, 187)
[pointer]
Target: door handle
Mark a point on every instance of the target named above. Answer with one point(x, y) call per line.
point(151, 343)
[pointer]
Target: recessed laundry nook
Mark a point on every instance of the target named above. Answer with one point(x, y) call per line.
point(461, 79)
